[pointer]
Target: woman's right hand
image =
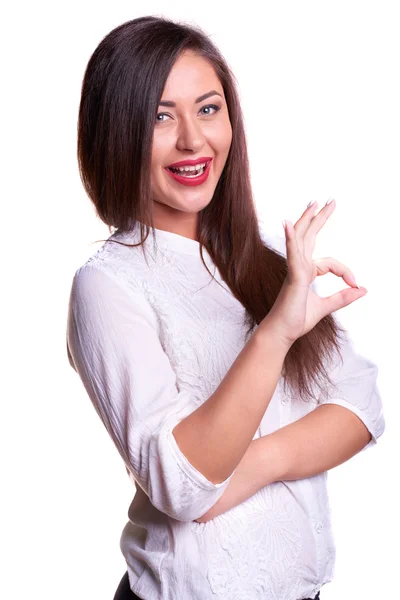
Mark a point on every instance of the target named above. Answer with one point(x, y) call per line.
point(297, 308)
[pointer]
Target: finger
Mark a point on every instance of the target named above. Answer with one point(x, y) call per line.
point(331, 265)
point(294, 257)
point(303, 223)
point(316, 224)
point(341, 299)
point(292, 246)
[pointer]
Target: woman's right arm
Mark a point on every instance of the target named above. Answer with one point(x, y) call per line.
point(113, 344)
point(182, 455)
point(215, 437)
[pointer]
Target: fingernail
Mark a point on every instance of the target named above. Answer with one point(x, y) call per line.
point(329, 201)
point(311, 203)
point(353, 279)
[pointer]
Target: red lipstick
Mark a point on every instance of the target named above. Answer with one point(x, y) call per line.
point(190, 181)
point(191, 162)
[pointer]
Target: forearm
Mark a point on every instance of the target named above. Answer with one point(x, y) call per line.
point(215, 437)
point(260, 466)
point(323, 439)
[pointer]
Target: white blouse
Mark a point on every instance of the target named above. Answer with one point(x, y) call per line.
point(152, 340)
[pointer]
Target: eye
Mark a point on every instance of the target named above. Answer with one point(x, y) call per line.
point(214, 106)
point(160, 115)
point(208, 106)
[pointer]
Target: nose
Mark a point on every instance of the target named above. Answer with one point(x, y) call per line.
point(190, 136)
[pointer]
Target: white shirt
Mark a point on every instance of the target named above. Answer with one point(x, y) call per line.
point(151, 342)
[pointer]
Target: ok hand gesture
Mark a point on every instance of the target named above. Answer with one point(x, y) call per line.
point(297, 308)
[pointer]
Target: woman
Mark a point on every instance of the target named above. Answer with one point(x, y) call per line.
point(225, 382)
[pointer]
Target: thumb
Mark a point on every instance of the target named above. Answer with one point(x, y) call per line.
point(341, 299)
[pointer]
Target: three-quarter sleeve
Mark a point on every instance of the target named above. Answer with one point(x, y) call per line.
point(355, 387)
point(114, 346)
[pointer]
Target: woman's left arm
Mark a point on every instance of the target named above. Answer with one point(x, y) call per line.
point(323, 439)
point(348, 420)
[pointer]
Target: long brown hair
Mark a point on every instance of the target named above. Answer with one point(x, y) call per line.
point(121, 91)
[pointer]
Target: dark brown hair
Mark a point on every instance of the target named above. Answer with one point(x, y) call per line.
point(121, 91)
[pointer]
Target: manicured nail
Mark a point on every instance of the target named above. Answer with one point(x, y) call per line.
point(353, 279)
point(329, 201)
point(310, 204)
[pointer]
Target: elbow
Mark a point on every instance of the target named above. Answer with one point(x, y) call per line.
point(181, 502)
point(183, 510)
point(174, 486)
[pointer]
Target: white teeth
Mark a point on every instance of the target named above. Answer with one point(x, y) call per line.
point(195, 168)
point(197, 174)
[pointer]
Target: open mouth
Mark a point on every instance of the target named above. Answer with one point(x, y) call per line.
point(190, 172)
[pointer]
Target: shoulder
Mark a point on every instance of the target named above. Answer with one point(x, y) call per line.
point(106, 280)
point(114, 262)
point(101, 299)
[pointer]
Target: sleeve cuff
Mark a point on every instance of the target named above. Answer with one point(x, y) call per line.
point(198, 478)
point(369, 424)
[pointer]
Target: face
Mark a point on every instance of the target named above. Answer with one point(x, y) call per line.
point(188, 130)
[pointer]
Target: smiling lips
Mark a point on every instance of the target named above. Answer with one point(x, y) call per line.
point(190, 162)
point(190, 172)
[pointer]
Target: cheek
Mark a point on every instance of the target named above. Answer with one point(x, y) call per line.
point(222, 136)
point(159, 151)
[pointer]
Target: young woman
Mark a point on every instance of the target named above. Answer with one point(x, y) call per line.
point(225, 382)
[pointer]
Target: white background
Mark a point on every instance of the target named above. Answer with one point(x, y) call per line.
point(319, 85)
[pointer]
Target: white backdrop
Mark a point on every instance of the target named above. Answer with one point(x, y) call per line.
point(319, 84)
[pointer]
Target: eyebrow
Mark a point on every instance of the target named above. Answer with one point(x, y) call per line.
point(199, 99)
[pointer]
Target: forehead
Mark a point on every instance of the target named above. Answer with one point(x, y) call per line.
point(191, 75)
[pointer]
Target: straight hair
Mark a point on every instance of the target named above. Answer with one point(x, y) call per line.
point(121, 90)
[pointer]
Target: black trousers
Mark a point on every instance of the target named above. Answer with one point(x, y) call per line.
point(124, 591)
